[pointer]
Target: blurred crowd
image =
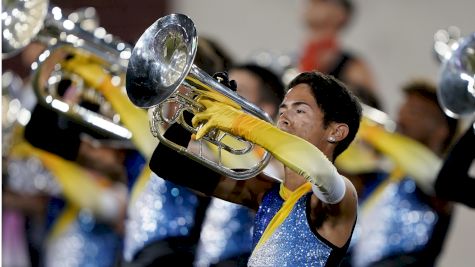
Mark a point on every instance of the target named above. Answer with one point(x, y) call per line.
point(78, 190)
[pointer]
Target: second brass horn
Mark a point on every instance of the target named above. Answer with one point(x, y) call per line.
point(30, 21)
point(456, 87)
point(161, 71)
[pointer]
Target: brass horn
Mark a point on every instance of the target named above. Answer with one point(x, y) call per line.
point(379, 117)
point(60, 87)
point(161, 74)
point(35, 20)
point(456, 85)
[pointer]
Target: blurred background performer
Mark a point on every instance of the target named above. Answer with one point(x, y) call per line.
point(401, 219)
point(23, 209)
point(78, 155)
point(226, 235)
point(70, 149)
point(79, 223)
point(325, 22)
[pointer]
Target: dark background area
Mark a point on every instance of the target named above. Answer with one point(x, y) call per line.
point(124, 19)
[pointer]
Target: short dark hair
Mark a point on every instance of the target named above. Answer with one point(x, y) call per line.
point(349, 8)
point(336, 102)
point(428, 90)
point(366, 96)
point(347, 5)
point(211, 56)
point(272, 88)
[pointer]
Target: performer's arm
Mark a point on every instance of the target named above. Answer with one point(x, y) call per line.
point(132, 117)
point(453, 181)
point(294, 152)
point(105, 202)
point(418, 161)
point(179, 169)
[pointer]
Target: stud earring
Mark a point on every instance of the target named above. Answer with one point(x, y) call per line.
point(331, 139)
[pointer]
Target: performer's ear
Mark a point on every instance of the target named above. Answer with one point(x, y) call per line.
point(339, 132)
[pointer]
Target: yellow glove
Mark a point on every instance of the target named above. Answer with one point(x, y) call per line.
point(212, 94)
point(294, 152)
point(358, 158)
point(134, 119)
point(93, 195)
point(415, 159)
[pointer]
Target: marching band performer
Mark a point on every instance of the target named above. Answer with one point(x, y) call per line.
point(309, 217)
point(401, 220)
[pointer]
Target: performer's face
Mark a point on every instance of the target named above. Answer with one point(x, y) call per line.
point(105, 160)
point(300, 115)
point(323, 18)
point(420, 119)
point(249, 86)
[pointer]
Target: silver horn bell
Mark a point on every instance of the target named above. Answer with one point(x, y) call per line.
point(456, 88)
point(161, 76)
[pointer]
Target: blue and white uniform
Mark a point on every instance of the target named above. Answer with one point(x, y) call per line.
point(294, 242)
point(401, 222)
point(161, 210)
point(226, 233)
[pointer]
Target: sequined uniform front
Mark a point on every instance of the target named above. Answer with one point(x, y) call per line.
point(293, 243)
point(162, 210)
point(86, 243)
point(226, 233)
point(400, 222)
